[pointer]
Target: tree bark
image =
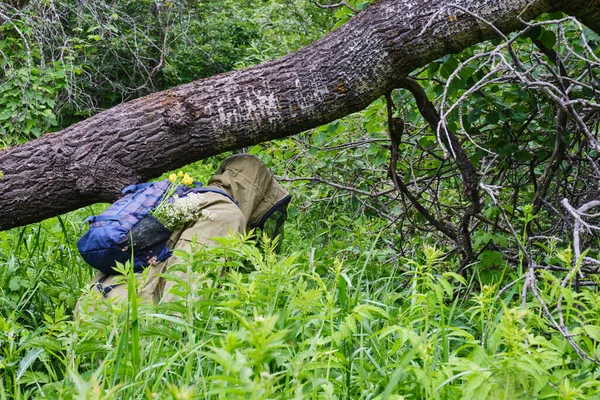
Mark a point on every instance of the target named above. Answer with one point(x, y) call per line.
point(339, 74)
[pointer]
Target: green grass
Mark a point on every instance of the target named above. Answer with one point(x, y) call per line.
point(321, 320)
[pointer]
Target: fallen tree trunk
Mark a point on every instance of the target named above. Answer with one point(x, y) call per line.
point(341, 73)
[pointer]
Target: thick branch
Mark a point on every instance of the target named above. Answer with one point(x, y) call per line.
point(586, 11)
point(467, 170)
point(337, 75)
point(395, 127)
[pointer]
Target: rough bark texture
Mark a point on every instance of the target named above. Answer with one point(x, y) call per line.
point(335, 76)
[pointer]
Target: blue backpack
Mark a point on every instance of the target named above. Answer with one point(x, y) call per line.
point(127, 231)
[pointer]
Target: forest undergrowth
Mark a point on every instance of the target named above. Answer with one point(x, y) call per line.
point(440, 244)
point(332, 316)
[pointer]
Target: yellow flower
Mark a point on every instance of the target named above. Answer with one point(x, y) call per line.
point(180, 174)
point(187, 180)
point(172, 178)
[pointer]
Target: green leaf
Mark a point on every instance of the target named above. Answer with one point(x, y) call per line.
point(449, 67)
point(343, 12)
point(523, 156)
point(500, 240)
point(535, 32)
point(29, 359)
point(369, 311)
point(432, 69)
point(492, 118)
point(341, 22)
point(548, 38)
point(333, 127)
point(490, 276)
point(373, 126)
point(319, 137)
point(466, 72)
point(14, 283)
point(380, 159)
point(362, 5)
point(91, 346)
point(455, 85)
point(474, 114)
point(426, 141)
point(491, 258)
point(255, 150)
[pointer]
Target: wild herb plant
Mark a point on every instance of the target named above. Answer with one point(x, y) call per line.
point(254, 324)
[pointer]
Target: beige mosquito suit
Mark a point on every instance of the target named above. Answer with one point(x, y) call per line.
point(258, 196)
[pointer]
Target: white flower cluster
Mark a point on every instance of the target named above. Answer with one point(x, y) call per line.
point(186, 209)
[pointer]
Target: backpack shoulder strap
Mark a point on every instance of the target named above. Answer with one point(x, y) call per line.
point(213, 190)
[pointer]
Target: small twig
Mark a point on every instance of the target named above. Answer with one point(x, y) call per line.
point(337, 185)
point(560, 327)
point(342, 3)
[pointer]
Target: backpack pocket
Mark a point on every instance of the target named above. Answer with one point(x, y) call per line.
point(102, 248)
point(148, 232)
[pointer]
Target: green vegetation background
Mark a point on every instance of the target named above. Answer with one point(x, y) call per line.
point(353, 307)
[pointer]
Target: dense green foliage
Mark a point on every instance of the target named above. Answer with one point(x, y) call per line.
point(366, 299)
point(68, 61)
point(356, 326)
